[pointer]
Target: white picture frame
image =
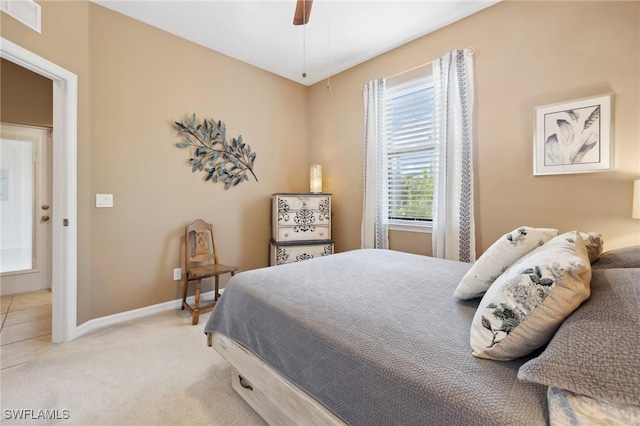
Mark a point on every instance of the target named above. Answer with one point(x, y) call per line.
point(573, 136)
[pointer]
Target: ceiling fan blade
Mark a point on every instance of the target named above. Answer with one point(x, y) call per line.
point(303, 10)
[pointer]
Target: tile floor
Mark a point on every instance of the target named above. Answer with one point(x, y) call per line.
point(25, 331)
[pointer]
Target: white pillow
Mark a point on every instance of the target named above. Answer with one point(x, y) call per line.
point(502, 254)
point(524, 307)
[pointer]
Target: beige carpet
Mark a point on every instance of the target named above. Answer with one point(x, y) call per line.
point(153, 371)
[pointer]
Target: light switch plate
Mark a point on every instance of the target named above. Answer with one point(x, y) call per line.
point(104, 200)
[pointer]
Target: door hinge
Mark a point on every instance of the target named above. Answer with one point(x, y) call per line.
point(65, 222)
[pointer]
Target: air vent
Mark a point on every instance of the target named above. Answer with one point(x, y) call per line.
point(25, 11)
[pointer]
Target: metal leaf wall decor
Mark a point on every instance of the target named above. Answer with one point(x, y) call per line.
point(219, 159)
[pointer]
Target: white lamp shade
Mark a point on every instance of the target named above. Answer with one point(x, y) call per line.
point(636, 199)
point(315, 178)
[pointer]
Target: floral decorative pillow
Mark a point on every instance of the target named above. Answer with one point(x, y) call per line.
point(568, 408)
point(594, 244)
point(502, 254)
point(525, 305)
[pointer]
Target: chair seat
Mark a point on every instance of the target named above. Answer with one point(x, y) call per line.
point(205, 271)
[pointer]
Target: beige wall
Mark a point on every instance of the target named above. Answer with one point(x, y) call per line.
point(134, 81)
point(527, 54)
point(27, 97)
point(143, 79)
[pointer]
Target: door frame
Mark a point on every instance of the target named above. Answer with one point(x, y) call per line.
point(64, 244)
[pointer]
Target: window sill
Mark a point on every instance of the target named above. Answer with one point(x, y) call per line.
point(426, 228)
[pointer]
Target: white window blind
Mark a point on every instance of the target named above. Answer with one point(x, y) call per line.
point(409, 121)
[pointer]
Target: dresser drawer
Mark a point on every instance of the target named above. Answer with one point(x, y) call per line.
point(281, 254)
point(302, 217)
point(287, 203)
point(303, 232)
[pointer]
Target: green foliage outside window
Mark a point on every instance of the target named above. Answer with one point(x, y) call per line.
point(415, 203)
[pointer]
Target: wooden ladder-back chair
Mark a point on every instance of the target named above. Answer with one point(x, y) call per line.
point(200, 252)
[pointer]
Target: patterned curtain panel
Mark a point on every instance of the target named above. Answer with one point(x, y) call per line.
point(453, 222)
point(375, 232)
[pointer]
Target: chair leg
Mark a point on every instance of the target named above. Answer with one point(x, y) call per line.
point(216, 295)
point(196, 305)
point(184, 292)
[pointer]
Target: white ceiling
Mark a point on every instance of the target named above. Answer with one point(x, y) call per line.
point(340, 33)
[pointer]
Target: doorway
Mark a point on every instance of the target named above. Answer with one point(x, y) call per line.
point(63, 220)
point(25, 208)
point(25, 231)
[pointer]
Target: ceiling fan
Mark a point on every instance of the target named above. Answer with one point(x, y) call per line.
point(303, 10)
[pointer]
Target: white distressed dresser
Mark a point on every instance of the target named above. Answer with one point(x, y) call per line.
point(301, 227)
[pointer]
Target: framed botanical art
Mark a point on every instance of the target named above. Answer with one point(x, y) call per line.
point(573, 137)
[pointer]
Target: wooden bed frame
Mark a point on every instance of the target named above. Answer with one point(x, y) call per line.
point(274, 398)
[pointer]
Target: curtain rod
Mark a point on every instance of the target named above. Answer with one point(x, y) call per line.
point(469, 51)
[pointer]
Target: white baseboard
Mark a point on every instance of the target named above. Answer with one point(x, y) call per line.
point(101, 322)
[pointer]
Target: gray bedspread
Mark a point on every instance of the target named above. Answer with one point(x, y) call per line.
point(376, 337)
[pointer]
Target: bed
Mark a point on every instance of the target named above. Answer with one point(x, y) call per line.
point(367, 337)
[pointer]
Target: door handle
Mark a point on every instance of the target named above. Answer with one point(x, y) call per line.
point(44, 218)
point(45, 207)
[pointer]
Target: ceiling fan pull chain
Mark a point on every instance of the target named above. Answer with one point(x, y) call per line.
point(304, 41)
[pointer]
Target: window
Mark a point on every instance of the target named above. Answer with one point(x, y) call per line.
point(410, 151)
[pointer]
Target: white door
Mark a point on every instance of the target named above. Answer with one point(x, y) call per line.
point(25, 210)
